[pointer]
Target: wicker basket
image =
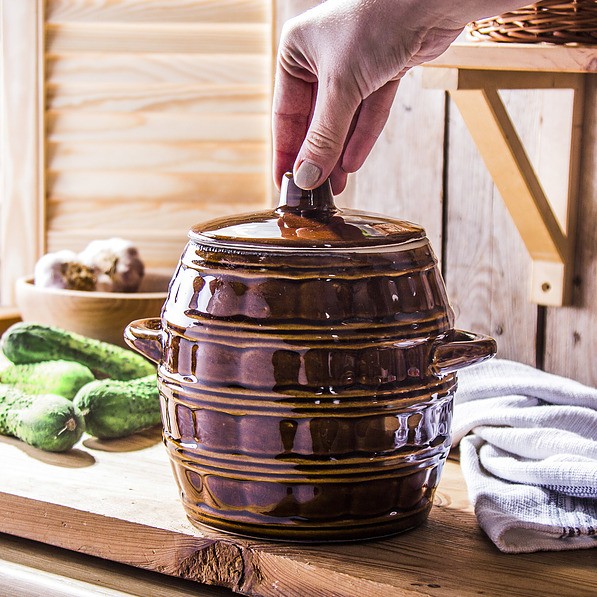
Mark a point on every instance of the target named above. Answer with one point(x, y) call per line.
point(546, 21)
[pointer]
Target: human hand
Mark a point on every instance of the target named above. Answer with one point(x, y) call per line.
point(339, 65)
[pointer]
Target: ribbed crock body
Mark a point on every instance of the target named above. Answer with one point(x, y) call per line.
point(297, 398)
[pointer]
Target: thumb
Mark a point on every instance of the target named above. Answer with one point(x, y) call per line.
point(324, 142)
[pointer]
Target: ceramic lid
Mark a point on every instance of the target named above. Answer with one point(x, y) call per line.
point(307, 220)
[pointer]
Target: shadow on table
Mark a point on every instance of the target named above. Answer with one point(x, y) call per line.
point(131, 443)
point(73, 458)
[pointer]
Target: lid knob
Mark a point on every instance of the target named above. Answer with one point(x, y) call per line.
point(297, 200)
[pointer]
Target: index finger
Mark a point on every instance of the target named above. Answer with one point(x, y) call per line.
point(291, 115)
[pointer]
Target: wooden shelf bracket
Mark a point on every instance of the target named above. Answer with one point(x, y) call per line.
point(544, 214)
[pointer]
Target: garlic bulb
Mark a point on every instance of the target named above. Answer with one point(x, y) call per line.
point(111, 265)
point(63, 270)
point(116, 262)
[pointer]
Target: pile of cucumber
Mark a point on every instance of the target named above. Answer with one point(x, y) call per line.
point(59, 384)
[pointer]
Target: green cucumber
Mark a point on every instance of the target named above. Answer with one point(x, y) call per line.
point(46, 421)
point(64, 378)
point(26, 342)
point(119, 408)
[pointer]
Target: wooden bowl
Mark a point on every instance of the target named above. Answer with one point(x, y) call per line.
point(101, 315)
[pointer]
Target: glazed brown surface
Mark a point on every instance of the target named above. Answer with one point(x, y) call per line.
point(297, 398)
point(307, 360)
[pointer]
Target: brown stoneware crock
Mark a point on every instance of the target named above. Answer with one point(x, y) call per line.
point(307, 361)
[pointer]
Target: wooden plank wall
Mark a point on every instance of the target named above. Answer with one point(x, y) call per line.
point(21, 141)
point(157, 117)
point(571, 332)
point(487, 267)
point(426, 168)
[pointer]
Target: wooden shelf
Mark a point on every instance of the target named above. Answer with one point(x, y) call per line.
point(519, 57)
point(544, 213)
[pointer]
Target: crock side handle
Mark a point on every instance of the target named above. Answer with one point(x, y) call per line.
point(146, 336)
point(459, 349)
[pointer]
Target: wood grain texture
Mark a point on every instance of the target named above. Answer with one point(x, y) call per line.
point(187, 99)
point(519, 57)
point(571, 332)
point(194, 38)
point(100, 499)
point(141, 215)
point(564, 342)
point(552, 157)
point(506, 159)
point(110, 70)
point(71, 126)
point(487, 266)
point(157, 118)
point(202, 189)
point(148, 103)
point(175, 216)
point(540, 194)
point(452, 78)
point(244, 11)
point(21, 141)
point(190, 157)
point(32, 569)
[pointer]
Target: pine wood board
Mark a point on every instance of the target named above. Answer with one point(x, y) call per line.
point(210, 38)
point(541, 201)
point(222, 157)
point(141, 185)
point(495, 138)
point(162, 97)
point(72, 126)
point(519, 57)
point(102, 69)
point(117, 500)
point(140, 215)
point(249, 11)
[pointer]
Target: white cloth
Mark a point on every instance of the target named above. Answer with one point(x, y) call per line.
point(528, 452)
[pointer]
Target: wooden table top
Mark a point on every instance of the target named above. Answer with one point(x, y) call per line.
point(118, 501)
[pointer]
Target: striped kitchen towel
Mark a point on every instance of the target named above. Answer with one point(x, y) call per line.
point(528, 450)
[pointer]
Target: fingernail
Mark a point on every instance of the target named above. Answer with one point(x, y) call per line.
point(307, 175)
